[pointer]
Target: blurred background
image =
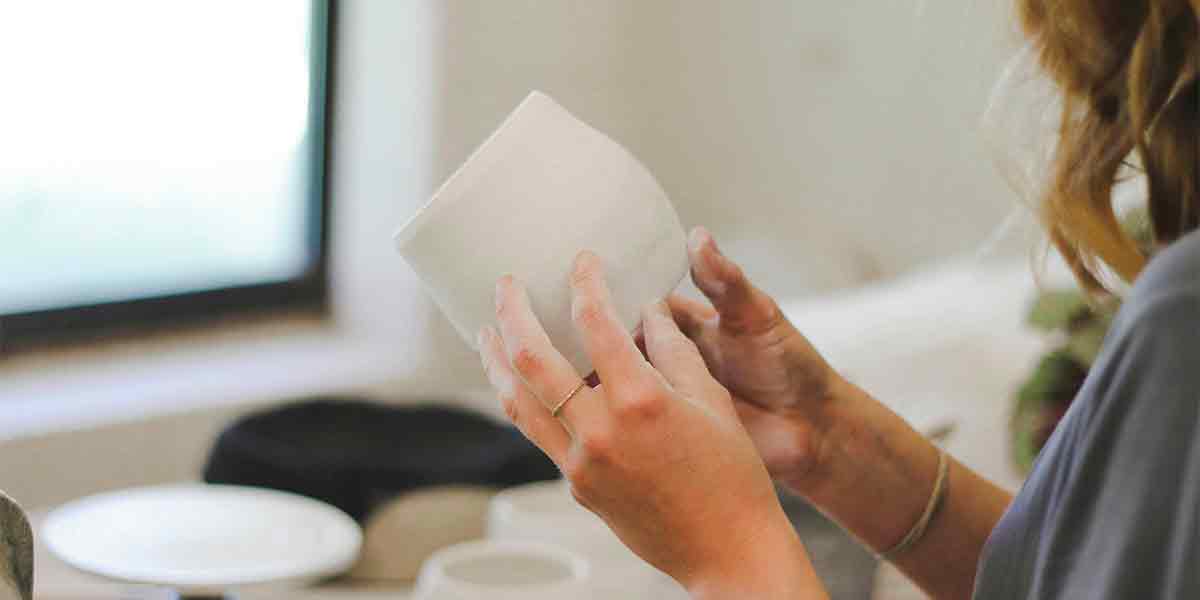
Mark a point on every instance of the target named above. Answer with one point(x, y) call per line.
point(197, 200)
point(825, 146)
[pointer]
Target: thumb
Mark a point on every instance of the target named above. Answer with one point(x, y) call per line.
point(742, 306)
point(674, 355)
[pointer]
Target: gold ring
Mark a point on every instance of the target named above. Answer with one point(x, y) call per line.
point(558, 407)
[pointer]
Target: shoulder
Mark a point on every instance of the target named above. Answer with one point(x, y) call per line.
point(1163, 307)
point(1147, 373)
point(1173, 272)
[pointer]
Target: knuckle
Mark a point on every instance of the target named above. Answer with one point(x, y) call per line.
point(736, 274)
point(583, 498)
point(641, 405)
point(596, 445)
point(503, 306)
point(527, 362)
point(684, 345)
point(587, 312)
point(576, 472)
point(769, 309)
point(586, 268)
point(582, 273)
point(508, 401)
point(763, 316)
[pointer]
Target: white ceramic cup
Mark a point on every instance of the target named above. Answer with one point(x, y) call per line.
point(504, 570)
point(400, 535)
point(546, 512)
point(542, 188)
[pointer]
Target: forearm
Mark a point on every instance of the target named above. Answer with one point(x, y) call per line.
point(875, 475)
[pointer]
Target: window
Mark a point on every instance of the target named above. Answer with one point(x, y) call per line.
point(159, 160)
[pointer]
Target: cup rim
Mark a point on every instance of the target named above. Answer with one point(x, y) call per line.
point(507, 505)
point(406, 232)
point(578, 567)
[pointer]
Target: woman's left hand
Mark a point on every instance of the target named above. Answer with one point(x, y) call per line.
point(657, 450)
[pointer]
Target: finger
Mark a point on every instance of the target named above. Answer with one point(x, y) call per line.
point(521, 406)
point(639, 340)
point(695, 320)
point(742, 306)
point(674, 355)
point(540, 365)
point(691, 315)
point(610, 347)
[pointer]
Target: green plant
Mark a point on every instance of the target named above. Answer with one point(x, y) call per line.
point(1076, 326)
point(1078, 329)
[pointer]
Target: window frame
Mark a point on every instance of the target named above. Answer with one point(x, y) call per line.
point(307, 292)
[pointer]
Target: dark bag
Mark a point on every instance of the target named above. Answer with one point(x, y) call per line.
point(356, 454)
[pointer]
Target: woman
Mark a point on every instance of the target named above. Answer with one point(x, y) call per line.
point(677, 450)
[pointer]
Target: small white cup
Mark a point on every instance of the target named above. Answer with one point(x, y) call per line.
point(401, 534)
point(546, 512)
point(542, 188)
point(504, 570)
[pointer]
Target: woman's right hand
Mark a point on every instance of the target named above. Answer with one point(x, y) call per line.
point(781, 386)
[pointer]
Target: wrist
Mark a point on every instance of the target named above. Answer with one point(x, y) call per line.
point(830, 425)
point(771, 564)
point(867, 453)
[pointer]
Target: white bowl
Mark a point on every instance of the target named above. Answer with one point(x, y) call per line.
point(542, 188)
point(499, 570)
point(203, 539)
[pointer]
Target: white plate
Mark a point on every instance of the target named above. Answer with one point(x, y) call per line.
point(197, 537)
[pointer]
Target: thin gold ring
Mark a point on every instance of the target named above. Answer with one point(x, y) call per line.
point(558, 407)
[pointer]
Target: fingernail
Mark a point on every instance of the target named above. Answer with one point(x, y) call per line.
point(696, 239)
point(656, 310)
point(661, 308)
point(484, 340)
point(501, 285)
point(586, 260)
point(716, 251)
point(708, 276)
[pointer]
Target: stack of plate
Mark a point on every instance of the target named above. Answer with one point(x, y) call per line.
point(204, 540)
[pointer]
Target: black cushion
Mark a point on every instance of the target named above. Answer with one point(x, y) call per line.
point(356, 454)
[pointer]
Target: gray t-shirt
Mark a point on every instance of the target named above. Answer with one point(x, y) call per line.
point(1112, 507)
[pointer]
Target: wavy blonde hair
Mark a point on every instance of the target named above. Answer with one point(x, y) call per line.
point(1128, 72)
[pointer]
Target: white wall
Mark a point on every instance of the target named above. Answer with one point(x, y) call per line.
point(824, 142)
point(830, 140)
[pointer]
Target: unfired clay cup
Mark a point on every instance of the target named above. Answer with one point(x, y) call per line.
point(542, 188)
